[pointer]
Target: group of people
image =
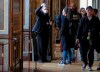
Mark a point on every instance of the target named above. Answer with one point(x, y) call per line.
point(75, 28)
point(79, 28)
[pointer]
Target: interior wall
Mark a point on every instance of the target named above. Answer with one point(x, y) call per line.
point(5, 17)
point(98, 8)
point(95, 4)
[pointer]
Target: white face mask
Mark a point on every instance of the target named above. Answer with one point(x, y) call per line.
point(44, 10)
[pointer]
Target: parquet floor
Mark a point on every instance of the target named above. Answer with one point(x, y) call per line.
point(54, 67)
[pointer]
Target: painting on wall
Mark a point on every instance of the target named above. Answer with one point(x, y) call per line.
point(1, 14)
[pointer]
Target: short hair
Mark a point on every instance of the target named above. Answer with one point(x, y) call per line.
point(89, 7)
point(95, 11)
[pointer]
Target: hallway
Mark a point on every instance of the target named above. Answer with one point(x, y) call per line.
point(54, 67)
point(17, 51)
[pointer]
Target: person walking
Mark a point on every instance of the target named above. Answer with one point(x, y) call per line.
point(88, 34)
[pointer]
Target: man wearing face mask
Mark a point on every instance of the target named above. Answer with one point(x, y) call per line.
point(41, 31)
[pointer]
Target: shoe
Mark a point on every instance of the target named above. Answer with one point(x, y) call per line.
point(98, 68)
point(47, 60)
point(40, 61)
point(83, 66)
point(61, 63)
point(73, 60)
point(68, 62)
point(90, 69)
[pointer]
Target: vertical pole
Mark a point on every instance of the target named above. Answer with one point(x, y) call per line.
point(29, 43)
point(2, 57)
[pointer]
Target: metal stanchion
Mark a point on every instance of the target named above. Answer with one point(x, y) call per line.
point(2, 57)
point(33, 54)
point(29, 52)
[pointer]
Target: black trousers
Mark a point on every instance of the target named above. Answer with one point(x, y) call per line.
point(35, 46)
point(42, 45)
point(87, 52)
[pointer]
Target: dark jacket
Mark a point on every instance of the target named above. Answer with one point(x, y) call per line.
point(64, 33)
point(92, 26)
point(73, 17)
point(41, 21)
point(86, 26)
point(64, 27)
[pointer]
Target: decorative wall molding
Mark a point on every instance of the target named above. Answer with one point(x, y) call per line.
point(4, 25)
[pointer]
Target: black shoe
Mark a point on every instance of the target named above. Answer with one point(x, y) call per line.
point(98, 68)
point(46, 60)
point(40, 61)
point(73, 60)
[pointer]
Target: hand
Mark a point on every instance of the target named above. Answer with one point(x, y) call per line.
point(89, 33)
point(50, 22)
point(43, 4)
point(77, 40)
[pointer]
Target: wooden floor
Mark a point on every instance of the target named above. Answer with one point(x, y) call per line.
point(54, 67)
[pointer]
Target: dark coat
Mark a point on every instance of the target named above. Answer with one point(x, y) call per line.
point(64, 27)
point(64, 33)
point(41, 21)
point(92, 26)
point(73, 17)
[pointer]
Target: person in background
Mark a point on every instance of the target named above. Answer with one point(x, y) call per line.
point(82, 12)
point(95, 13)
point(64, 36)
point(41, 30)
point(73, 17)
point(88, 35)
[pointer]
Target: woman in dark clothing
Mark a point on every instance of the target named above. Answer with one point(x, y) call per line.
point(64, 34)
point(82, 12)
point(41, 30)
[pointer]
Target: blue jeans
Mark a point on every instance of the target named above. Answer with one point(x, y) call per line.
point(72, 53)
point(65, 49)
point(65, 54)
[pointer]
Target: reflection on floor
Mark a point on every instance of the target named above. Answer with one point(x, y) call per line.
point(54, 67)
